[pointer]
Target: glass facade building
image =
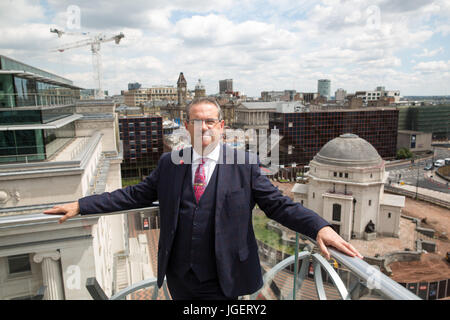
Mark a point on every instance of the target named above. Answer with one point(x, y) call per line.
point(31, 102)
point(434, 119)
point(22, 85)
point(305, 133)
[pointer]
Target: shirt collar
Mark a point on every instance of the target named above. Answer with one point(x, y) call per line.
point(213, 155)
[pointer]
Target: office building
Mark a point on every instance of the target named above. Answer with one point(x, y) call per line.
point(136, 97)
point(226, 86)
point(434, 119)
point(55, 149)
point(377, 94)
point(304, 133)
point(324, 88)
point(340, 95)
point(134, 86)
point(142, 138)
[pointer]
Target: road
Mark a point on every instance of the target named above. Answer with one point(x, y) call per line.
point(409, 173)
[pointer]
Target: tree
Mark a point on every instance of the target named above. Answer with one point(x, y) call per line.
point(404, 153)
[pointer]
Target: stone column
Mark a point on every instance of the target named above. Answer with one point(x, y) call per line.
point(51, 274)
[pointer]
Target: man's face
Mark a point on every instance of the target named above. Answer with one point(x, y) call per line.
point(204, 134)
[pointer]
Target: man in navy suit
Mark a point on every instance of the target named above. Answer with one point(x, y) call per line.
point(207, 247)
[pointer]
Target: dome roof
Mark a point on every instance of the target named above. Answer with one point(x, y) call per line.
point(199, 85)
point(348, 150)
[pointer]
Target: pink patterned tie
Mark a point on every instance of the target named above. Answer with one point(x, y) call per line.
point(199, 181)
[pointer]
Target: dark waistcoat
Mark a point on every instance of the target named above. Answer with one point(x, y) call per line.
point(193, 246)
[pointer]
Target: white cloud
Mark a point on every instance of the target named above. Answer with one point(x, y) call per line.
point(433, 66)
point(262, 45)
point(429, 53)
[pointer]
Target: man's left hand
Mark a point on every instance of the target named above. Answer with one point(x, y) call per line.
point(328, 237)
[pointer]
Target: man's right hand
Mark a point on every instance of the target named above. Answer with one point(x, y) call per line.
point(68, 210)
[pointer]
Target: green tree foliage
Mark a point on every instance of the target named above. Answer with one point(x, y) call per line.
point(404, 153)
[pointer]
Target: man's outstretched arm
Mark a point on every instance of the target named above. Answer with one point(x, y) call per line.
point(140, 195)
point(296, 217)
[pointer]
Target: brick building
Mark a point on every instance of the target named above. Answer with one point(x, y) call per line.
point(142, 138)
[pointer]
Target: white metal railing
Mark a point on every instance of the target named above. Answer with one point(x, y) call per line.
point(370, 281)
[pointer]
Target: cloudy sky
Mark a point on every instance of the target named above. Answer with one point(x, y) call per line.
point(261, 45)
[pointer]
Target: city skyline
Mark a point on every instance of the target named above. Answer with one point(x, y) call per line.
point(261, 45)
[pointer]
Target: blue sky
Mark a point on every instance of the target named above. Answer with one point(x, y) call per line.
point(261, 45)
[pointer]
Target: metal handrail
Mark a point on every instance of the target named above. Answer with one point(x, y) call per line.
point(37, 99)
point(371, 276)
point(368, 274)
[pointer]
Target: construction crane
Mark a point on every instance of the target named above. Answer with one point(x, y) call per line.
point(94, 42)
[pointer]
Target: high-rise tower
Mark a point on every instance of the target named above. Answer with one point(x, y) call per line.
point(324, 88)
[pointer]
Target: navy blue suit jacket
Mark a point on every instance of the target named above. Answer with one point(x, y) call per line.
point(239, 188)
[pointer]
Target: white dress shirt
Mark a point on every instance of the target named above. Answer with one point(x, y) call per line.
point(210, 163)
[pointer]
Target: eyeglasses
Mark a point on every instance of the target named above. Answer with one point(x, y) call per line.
point(209, 122)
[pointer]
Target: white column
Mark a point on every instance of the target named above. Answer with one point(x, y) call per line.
point(51, 274)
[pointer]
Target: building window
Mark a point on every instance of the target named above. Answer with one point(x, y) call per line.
point(335, 174)
point(155, 149)
point(19, 264)
point(340, 174)
point(290, 147)
point(370, 202)
point(389, 215)
point(346, 175)
point(336, 212)
point(142, 124)
point(314, 195)
point(290, 124)
point(336, 228)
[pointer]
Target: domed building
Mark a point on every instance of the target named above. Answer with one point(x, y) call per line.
point(346, 187)
point(199, 90)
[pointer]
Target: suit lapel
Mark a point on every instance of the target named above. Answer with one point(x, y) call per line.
point(177, 179)
point(223, 175)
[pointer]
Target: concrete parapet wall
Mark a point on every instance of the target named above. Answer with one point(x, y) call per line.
point(425, 231)
point(410, 194)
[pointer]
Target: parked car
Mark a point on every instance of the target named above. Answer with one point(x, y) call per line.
point(439, 163)
point(428, 166)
